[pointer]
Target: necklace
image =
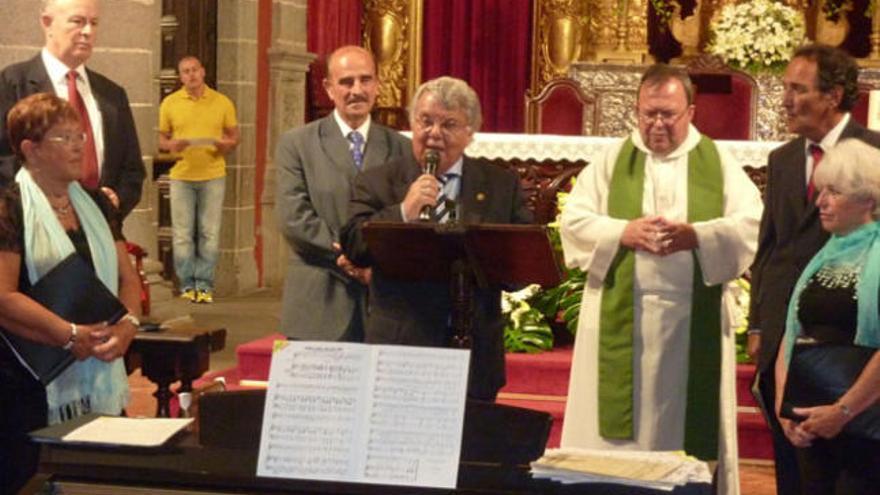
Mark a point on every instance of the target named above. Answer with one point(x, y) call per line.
point(61, 209)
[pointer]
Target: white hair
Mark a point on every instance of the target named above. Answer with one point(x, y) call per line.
point(852, 168)
point(453, 94)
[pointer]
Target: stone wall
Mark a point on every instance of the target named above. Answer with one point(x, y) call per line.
point(126, 52)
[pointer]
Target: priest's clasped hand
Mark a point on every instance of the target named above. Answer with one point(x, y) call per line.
point(658, 236)
point(676, 237)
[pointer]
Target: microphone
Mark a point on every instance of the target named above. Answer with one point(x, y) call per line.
point(432, 159)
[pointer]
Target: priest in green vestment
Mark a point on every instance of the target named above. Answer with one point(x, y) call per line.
point(660, 225)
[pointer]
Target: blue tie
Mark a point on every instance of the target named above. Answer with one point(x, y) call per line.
point(357, 149)
point(445, 205)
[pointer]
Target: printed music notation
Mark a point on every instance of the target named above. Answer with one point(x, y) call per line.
point(364, 413)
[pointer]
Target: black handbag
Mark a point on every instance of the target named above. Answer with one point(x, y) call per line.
point(821, 373)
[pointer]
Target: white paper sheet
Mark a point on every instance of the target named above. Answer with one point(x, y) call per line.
point(135, 432)
point(202, 141)
point(373, 414)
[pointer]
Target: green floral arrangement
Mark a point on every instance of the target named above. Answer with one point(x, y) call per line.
point(664, 10)
point(833, 9)
point(756, 36)
point(741, 290)
point(532, 313)
point(526, 329)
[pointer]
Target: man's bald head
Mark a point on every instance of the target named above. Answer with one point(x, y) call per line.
point(351, 83)
point(70, 28)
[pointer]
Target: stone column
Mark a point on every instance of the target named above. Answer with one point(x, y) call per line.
point(127, 52)
point(288, 64)
point(236, 270)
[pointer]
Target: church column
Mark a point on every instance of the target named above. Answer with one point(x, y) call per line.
point(288, 64)
point(236, 78)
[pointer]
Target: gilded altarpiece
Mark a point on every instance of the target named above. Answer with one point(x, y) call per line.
point(392, 34)
point(559, 39)
point(569, 31)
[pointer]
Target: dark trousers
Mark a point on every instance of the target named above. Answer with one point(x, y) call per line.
point(843, 465)
point(22, 409)
point(787, 474)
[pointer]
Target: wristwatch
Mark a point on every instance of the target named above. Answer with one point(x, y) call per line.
point(72, 339)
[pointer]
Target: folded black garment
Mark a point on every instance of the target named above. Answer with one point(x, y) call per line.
point(74, 292)
point(819, 374)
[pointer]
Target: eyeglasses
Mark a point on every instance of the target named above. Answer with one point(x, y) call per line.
point(68, 139)
point(447, 127)
point(663, 116)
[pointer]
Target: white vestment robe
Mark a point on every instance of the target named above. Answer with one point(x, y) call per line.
point(663, 287)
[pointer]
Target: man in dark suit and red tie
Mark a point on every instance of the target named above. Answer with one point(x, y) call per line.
point(820, 89)
point(112, 156)
point(444, 115)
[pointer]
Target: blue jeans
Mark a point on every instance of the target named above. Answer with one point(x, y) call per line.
point(196, 212)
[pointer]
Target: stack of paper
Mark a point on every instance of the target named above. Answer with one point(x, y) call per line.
point(657, 470)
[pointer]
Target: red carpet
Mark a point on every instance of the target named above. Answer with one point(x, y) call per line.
point(534, 381)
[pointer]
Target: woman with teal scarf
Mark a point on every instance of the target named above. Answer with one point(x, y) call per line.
point(45, 217)
point(835, 301)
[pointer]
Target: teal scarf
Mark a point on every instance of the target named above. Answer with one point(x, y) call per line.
point(90, 385)
point(838, 250)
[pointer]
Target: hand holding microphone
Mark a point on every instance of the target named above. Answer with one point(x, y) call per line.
point(422, 194)
point(432, 159)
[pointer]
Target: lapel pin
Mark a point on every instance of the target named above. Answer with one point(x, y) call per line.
point(481, 196)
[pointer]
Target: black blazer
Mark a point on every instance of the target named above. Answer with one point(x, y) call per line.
point(790, 236)
point(122, 170)
point(417, 313)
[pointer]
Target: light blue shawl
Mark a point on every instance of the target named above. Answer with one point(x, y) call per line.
point(839, 250)
point(90, 385)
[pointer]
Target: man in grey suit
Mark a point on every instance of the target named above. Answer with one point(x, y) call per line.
point(114, 164)
point(821, 87)
point(324, 294)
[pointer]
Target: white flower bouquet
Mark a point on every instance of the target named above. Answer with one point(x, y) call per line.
point(757, 35)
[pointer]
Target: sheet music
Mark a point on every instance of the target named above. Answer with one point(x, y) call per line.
point(374, 414)
point(135, 432)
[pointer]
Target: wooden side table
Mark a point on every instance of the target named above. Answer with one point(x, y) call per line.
point(169, 355)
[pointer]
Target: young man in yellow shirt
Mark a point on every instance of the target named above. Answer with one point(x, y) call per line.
point(199, 125)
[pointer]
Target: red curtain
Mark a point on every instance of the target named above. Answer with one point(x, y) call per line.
point(331, 24)
point(488, 44)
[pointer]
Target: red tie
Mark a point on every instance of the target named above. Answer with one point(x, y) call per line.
point(817, 153)
point(90, 154)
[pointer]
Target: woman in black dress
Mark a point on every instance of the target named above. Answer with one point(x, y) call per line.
point(45, 216)
point(835, 302)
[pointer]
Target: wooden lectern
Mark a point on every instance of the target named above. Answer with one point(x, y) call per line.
point(464, 256)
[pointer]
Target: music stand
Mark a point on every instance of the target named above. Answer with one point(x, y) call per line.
point(464, 256)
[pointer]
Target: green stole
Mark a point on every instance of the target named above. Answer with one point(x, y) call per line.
point(617, 322)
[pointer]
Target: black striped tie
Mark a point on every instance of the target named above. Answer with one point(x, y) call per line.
point(445, 206)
